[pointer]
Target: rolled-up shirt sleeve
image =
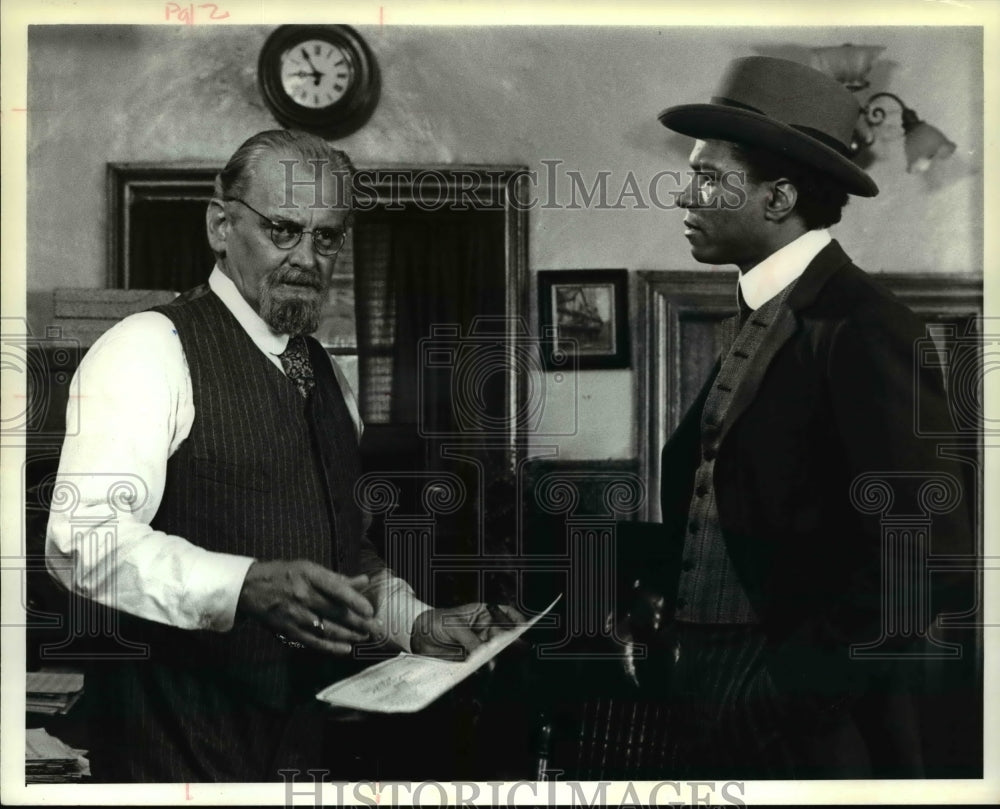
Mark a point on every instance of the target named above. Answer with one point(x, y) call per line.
point(135, 408)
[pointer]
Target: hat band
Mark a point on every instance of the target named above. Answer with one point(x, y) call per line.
point(815, 134)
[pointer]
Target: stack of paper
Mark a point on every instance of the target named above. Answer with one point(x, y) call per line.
point(52, 692)
point(47, 760)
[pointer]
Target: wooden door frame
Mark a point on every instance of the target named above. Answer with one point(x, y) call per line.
point(490, 187)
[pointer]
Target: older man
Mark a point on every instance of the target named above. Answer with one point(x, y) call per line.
point(765, 480)
point(243, 562)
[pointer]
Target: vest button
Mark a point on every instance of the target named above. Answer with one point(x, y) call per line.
point(687, 565)
point(681, 603)
point(702, 490)
point(693, 526)
point(710, 454)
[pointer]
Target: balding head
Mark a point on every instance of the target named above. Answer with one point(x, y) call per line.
point(309, 150)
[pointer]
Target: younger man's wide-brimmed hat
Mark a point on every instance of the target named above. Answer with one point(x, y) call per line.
point(783, 106)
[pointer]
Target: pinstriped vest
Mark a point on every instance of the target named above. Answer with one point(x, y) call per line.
point(263, 473)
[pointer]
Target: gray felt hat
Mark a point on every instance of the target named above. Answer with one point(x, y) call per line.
point(783, 106)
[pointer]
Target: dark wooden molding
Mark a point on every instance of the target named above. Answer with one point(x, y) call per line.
point(128, 182)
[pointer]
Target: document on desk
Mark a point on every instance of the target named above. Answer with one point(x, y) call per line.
point(409, 682)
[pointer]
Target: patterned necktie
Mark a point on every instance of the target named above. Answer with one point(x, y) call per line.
point(295, 361)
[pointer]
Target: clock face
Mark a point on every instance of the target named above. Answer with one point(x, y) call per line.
point(321, 78)
point(316, 73)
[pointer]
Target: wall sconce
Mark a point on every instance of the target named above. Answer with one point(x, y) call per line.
point(850, 64)
point(922, 143)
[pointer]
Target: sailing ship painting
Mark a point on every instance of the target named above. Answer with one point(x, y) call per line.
point(585, 317)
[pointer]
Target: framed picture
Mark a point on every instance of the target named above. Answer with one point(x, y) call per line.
point(584, 318)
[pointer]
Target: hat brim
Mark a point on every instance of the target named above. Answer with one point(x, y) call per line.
point(715, 121)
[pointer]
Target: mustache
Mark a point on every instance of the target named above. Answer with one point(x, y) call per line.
point(297, 277)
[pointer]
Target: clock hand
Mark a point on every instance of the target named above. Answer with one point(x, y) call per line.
point(315, 73)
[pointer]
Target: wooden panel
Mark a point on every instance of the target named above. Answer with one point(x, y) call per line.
point(85, 314)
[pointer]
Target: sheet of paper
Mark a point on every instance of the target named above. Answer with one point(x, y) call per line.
point(49, 760)
point(409, 683)
point(40, 746)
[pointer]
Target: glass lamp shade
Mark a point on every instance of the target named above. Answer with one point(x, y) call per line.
point(848, 64)
point(923, 145)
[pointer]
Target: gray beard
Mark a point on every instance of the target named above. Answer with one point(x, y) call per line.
point(291, 316)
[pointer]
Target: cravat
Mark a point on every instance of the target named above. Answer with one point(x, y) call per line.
point(732, 326)
point(744, 308)
point(295, 361)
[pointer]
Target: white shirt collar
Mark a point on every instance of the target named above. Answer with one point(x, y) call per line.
point(267, 341)
point(781, 268)
point(262, 335)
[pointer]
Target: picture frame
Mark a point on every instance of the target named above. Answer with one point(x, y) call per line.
point(583, 318)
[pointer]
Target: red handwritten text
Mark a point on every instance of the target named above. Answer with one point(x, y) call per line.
point(187, 13)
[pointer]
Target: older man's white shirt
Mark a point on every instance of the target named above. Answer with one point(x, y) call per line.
point(135, 409)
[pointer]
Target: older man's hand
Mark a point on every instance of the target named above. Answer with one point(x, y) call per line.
point(305, 603)
point(453, 632)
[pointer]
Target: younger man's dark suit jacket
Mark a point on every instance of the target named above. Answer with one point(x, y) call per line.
point(829, 399)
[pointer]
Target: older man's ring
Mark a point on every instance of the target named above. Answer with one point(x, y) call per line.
point(318, 625)
point(291, 644)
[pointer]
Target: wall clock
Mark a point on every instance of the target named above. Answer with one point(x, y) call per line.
point(320, 78)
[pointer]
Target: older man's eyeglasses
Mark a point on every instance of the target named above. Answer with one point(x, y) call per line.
point(285, 234)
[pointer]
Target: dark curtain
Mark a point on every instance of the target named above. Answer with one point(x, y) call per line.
point(416, 270)
point(168, 248)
